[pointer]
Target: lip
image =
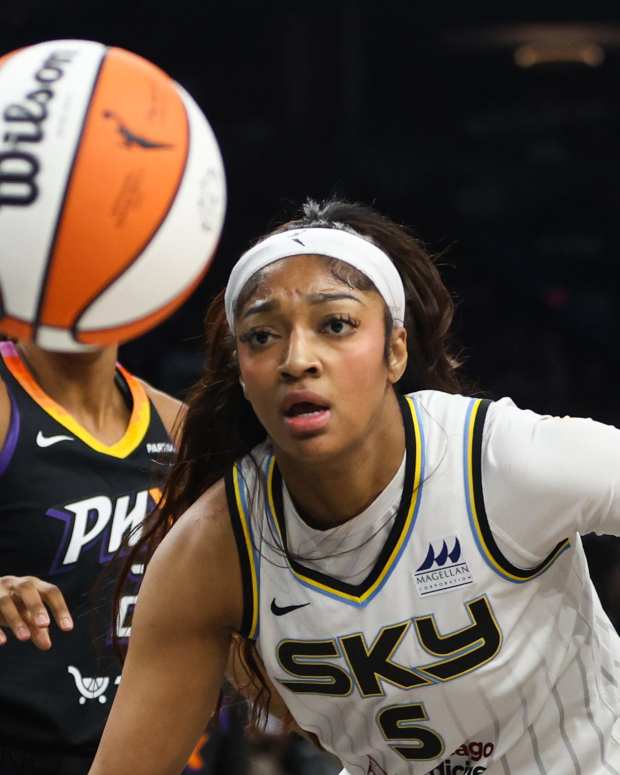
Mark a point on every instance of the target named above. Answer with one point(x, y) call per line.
point(302, 397)
point(305, 424)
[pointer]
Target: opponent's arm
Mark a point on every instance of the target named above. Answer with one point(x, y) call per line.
point(189, 604)
point(25, 600)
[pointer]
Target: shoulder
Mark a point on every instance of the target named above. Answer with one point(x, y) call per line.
point(198, 558)
point(466, 410)
point(440, 401)
point(206, 520)
point(444, 413)
point(548, 477)
point(171, 410)
point(523, 440)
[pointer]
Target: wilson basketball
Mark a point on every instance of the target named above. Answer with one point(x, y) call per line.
point(112, 194)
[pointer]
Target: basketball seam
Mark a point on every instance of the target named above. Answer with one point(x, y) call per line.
point(18, 318)
point(150, 238)
point(178, 299)
point(48, 264)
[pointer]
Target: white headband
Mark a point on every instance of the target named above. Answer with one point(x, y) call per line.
point(334, 243)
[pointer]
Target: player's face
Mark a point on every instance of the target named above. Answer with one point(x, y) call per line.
point(311, 355)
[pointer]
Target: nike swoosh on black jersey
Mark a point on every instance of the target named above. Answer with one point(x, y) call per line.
point(275, 608)
point(47, 441)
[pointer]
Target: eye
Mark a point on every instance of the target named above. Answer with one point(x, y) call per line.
point(256, 337)
point(339, 325)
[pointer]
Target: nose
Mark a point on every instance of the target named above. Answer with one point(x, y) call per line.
point(300, 359)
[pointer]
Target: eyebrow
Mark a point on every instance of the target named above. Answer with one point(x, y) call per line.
point(313, 298)
point(260, 306)
point(321, 298)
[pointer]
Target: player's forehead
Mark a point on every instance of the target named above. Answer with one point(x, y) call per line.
point(302, 275)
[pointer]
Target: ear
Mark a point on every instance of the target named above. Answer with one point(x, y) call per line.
point(397, 356)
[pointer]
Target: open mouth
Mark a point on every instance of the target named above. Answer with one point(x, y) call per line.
point(305, 418)
point(304, 408)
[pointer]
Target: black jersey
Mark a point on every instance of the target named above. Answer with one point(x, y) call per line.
point(67, 501)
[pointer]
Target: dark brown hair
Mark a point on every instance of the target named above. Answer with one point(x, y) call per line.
point(220, 426)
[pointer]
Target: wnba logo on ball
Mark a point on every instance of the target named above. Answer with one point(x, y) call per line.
point(24, 121)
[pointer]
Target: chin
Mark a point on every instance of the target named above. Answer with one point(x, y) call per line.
point(315, 448)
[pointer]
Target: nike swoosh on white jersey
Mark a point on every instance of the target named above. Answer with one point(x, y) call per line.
point(47, 441)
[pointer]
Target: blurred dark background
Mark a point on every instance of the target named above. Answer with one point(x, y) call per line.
point(491, 129)
point(493, 133)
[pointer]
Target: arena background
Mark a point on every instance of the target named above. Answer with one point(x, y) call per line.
point(493, 131)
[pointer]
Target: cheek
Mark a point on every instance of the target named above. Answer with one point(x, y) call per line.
point(258, 376)
point(362, 365)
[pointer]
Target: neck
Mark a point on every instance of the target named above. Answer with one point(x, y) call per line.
point(83, 384)
point(329, 493)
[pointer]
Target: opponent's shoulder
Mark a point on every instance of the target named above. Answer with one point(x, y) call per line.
point(170, 409)
point(199, 558)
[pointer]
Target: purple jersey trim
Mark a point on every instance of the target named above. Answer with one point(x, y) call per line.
point(10, 442)
point(7, 349)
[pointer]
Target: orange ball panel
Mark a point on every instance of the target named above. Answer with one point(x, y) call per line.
point(15, 328)
point(126, 174)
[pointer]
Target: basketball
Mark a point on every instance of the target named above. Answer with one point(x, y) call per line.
point(112, 195)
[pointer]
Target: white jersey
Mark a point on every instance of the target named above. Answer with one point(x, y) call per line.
point(474, 641)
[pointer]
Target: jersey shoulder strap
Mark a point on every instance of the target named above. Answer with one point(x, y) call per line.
point(241, 520)
point(472, 455)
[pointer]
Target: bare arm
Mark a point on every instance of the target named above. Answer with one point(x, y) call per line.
point(190, 602)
